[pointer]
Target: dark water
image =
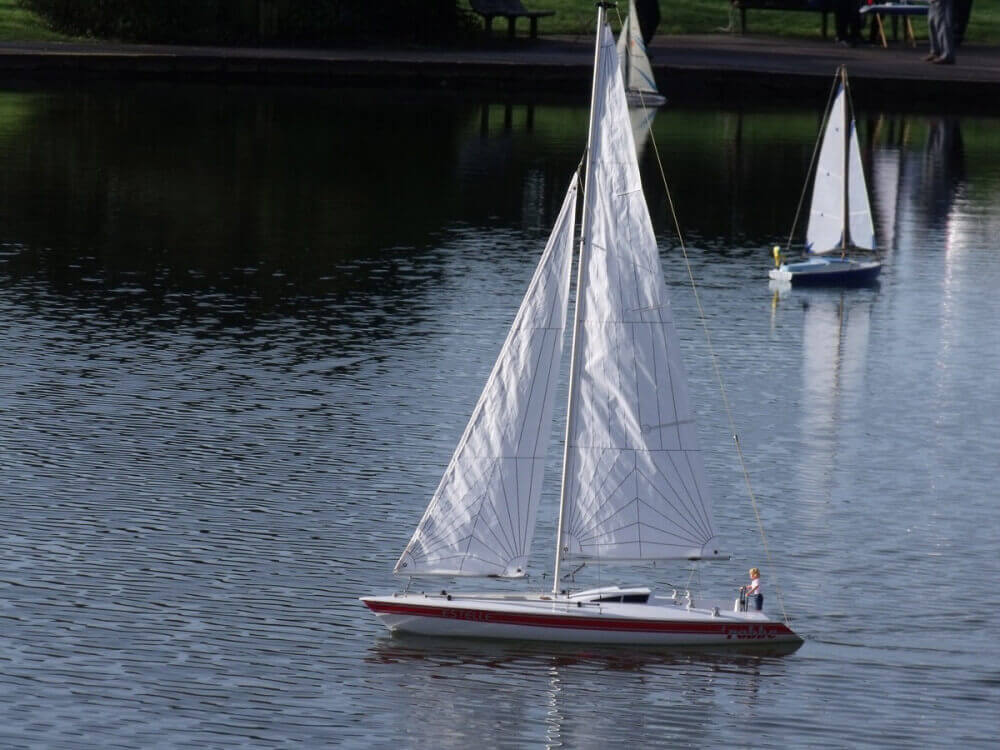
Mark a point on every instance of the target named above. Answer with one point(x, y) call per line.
point(241, 331)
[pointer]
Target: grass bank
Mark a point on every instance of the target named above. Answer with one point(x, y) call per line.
point(708, 16)
point(20, 25)
point(577, 17)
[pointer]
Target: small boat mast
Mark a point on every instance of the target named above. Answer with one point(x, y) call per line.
point(847, 163)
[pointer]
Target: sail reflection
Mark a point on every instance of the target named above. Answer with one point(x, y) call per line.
point(835, 335)
point(566, 690)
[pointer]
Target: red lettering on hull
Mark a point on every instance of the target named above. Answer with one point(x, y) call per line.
point(752, 632)
point(466, 614)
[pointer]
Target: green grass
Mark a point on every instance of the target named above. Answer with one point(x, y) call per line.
point(708, 16)
point(20, 25)
point(577, 17)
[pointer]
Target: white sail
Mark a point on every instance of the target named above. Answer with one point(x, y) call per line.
point(636, 70)
point(826, 215)
point(636, 486)
point(642, 123)
point(862, 230)
point(481, 519)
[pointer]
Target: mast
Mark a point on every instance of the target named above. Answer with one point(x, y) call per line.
point(573, 364)
point(628, 48)
point(847, 165)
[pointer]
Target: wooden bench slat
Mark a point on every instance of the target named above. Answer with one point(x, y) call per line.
point(818, 6)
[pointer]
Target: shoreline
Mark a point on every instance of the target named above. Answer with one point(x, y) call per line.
point(712, 68)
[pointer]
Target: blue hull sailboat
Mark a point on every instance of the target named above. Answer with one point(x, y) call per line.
point(840, 236)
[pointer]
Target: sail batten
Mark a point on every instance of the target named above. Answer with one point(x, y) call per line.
point(481, 519)
point(635, 484)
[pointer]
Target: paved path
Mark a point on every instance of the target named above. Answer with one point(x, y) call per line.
point(712, 67)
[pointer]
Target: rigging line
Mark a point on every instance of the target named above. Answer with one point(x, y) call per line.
point(718, 375)
point(812, 164)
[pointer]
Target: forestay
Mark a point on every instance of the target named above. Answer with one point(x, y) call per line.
point(636, 486)
point(481, 519)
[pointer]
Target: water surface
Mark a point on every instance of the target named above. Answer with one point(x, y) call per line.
point(241, 330)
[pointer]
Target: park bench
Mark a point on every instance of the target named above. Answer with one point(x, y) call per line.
point(817, 6)
point(511, 10)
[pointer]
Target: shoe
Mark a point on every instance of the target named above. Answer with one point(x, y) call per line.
point(943, 61)
point(931, 57)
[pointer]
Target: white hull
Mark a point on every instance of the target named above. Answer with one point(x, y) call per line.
point(565, 619)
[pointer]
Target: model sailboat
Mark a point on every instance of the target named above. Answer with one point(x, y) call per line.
point(634, 487)
point(640, 85)
point(840, 217)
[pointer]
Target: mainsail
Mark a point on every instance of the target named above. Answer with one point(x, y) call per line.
point(636, 71)
point(481, 519)
point(826, 216)
point(635, 482)
point(825, 232)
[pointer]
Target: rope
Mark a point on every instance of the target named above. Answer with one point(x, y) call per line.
point(718, 375)
point(812, 164)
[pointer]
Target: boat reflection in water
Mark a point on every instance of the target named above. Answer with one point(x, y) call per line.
point(566, 689)
point(835, 334)
point(402, 646)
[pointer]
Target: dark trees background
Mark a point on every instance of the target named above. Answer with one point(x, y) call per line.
point(258, 21)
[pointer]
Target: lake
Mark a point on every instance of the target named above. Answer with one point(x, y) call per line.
point(241, 331)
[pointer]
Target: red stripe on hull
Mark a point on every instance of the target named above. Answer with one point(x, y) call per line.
point(730, 630)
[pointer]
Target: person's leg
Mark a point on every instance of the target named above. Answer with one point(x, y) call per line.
point(960, 20)
point(933, 27)
point(840, 19)
point(947, 30)
point(854, 18)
